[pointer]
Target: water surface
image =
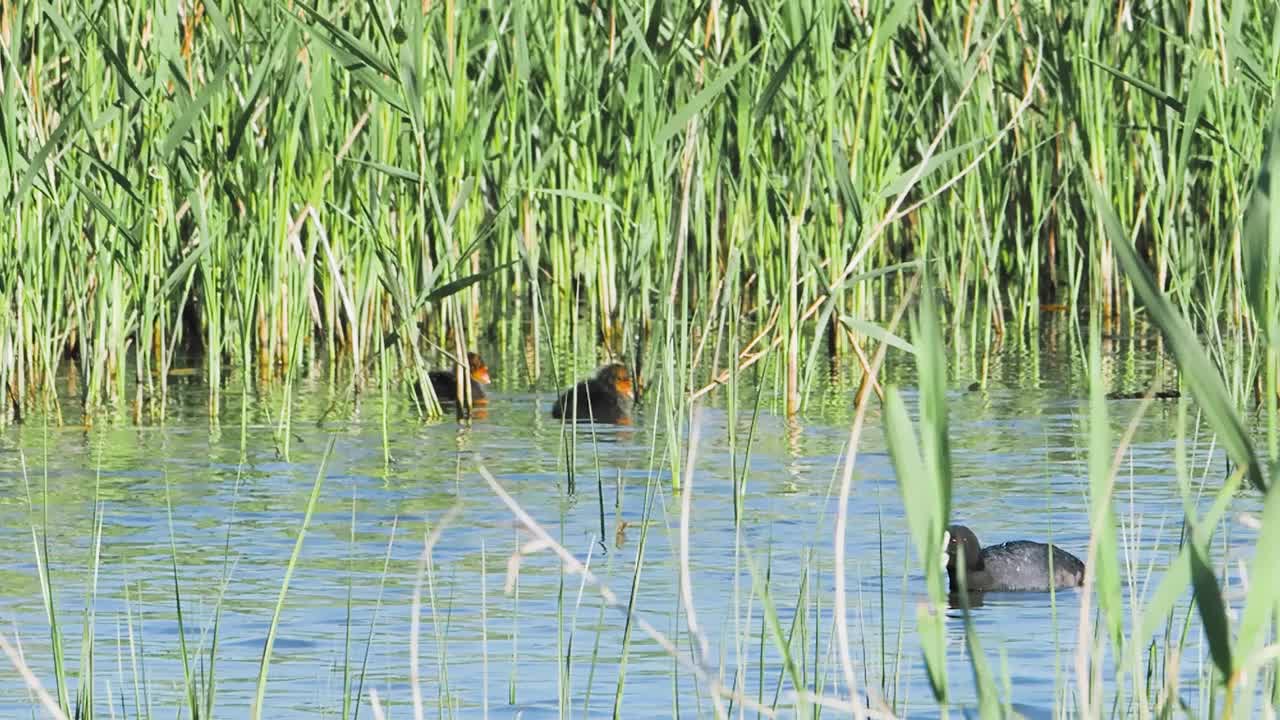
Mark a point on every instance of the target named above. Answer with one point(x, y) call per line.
point(1019, 450)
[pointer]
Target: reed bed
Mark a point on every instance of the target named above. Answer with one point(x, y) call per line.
point(248, 189)
point(263, 189)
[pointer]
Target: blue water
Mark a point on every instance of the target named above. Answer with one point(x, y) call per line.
point(1019, 452)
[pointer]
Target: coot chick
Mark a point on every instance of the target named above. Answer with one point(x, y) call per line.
point(446, 386)
point(607, 397)
point(1011, 566)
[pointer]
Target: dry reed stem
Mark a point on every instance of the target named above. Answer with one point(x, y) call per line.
point(543, 540)
point(869, 381)
point(686, 578)
point(891, 214)
point(687, 158)
point(793, 299)
point(852, 708)
point(721, 289)
point(841, 609)
point(1089, 683)
point(376, 704)
point(745, 361)
point(33, 682)
point(414, 622)
point(1008, 127)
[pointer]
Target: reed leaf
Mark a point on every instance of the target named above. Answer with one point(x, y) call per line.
point(877, 332)
point(1262, 241)
point(698, 102)
point(1102, 521)
point(924, 481)
point(780, 76)
point(260, 692)
point(1212, 608)
point(1197, 371)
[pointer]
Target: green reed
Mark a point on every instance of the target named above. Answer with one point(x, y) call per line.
point(259, 188)
point(268, 185)
point(1240, 665)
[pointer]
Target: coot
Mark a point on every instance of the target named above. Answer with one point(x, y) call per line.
point(446, 386)
point(607, 397)
point(1016, 565)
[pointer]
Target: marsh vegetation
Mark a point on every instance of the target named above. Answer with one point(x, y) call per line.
point(803, 229)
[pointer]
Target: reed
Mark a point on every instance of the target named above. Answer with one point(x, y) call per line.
point(409, 179)
point(258, 190)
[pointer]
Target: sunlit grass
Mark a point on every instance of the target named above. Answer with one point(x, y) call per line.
point(269, 185)
point(720, 194)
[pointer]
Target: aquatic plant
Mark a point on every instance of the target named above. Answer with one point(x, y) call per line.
point(720, 192)
point(245, 190)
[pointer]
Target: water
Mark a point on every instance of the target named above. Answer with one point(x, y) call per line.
point(1019, 448)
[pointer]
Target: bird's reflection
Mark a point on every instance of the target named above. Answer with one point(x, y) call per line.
point(957, 601)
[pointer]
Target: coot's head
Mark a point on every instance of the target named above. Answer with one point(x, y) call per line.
point(961, 538)
point(479, 371)
point(616, 376)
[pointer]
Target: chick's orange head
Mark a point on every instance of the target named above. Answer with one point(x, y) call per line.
point(479, 371)
point(620, 378)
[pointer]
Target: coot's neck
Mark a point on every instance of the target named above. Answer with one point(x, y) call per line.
point(973, 579)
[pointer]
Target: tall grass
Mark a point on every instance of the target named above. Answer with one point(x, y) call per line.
point(264, 188)
point(273, 184)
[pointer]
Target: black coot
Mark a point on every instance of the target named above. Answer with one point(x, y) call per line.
point(446, 386)
point(605, 398)
point(1011, 566)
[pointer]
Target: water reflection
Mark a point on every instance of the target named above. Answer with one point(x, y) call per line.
point(975, 599)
